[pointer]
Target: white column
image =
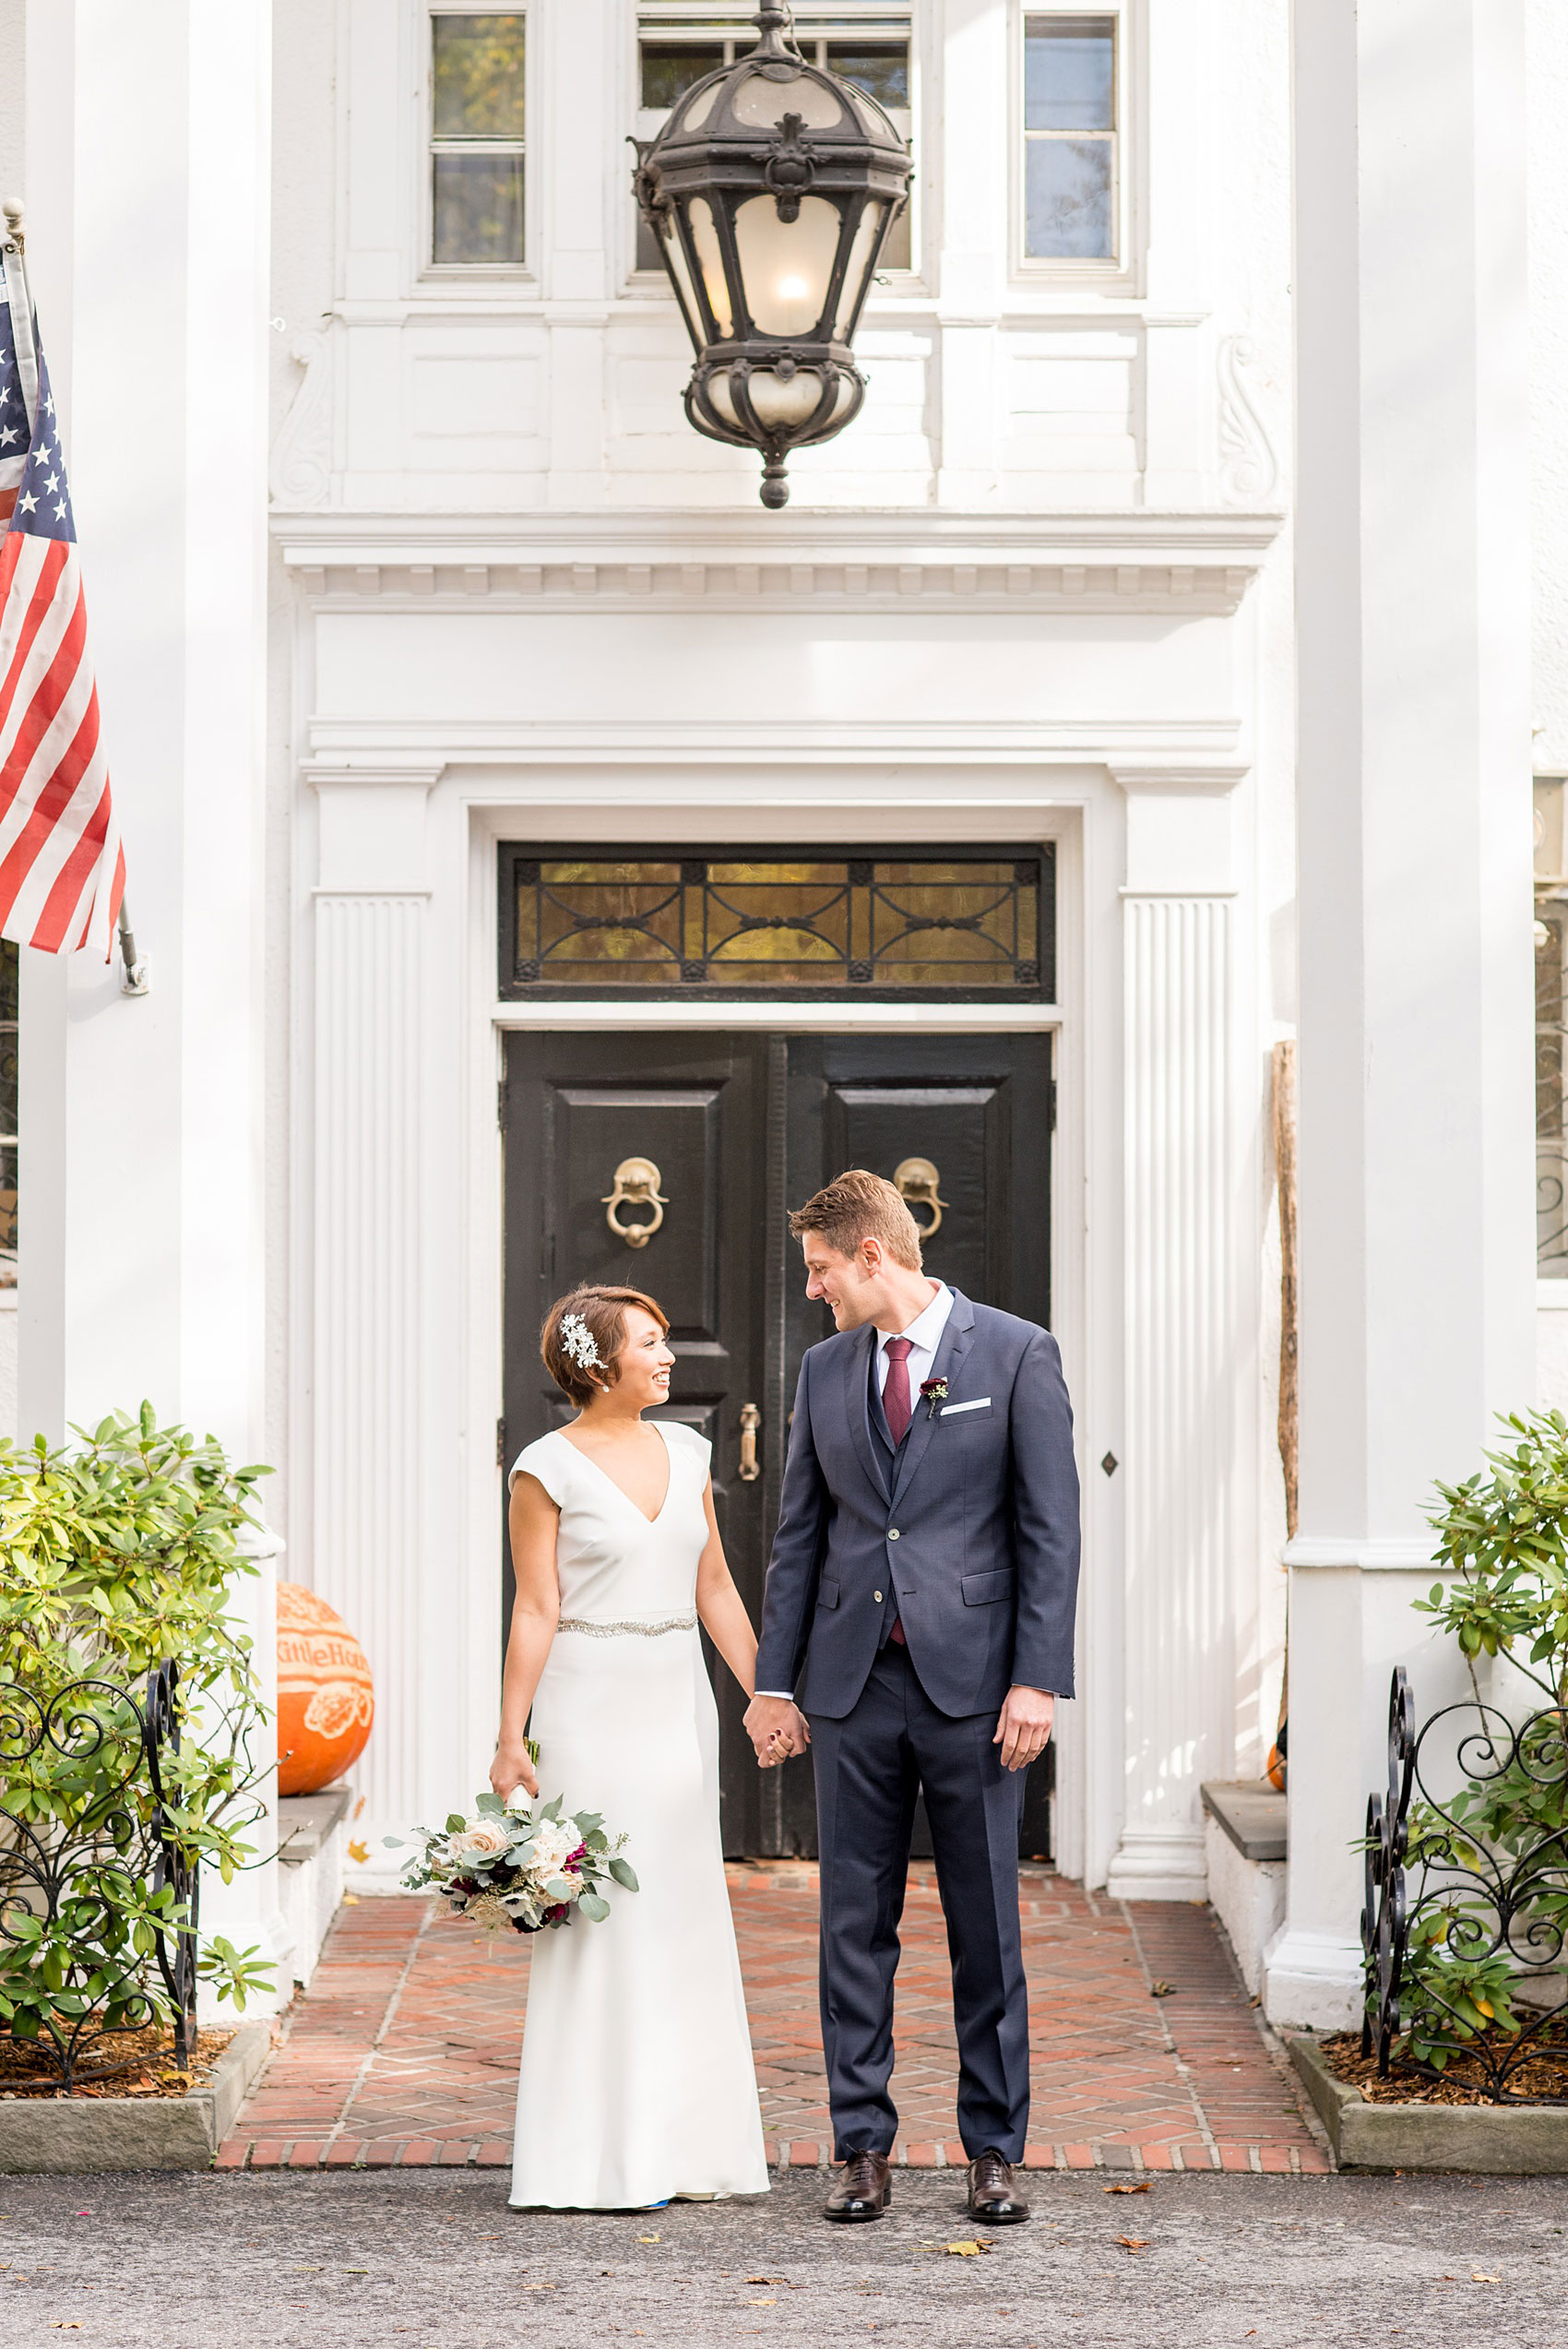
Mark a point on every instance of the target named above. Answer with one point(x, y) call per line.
point(969, 238)
point(142, 1164)
point(368, 1369)
point(1185, 1343)
point(1414, 832)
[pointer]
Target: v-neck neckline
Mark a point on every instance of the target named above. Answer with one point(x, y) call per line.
point(669, 1480)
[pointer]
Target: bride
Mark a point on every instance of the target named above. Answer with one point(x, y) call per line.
point(636, 2085)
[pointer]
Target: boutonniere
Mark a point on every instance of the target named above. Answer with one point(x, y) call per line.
point(935, 1391)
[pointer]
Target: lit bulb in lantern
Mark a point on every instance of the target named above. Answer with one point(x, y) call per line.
point(794, 288)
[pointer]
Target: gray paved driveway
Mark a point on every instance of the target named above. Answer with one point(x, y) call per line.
point(269, 2262)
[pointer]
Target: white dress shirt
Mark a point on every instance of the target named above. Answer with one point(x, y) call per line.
point(924, 1334)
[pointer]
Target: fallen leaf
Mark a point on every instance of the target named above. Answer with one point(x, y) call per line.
point(1146, 2188)
point(359, 1851)
point(350, 1899)
point(1479, 2275)
point(967, 2250)
point(1133, 2242)
point(765, 2279)
point(1160, 1989)
point(762, 2304)
point(647, 2238)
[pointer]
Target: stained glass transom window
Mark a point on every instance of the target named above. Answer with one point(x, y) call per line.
point(943, 926)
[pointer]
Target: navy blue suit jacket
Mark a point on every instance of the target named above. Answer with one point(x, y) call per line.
point(973, 1526)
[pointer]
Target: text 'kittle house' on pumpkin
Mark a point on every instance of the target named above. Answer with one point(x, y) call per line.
point(326, 1697)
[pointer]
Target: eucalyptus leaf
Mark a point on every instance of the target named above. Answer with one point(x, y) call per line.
point(590, 1905)
point(623, 1873)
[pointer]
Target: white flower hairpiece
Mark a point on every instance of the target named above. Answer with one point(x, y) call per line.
point(578, 1338)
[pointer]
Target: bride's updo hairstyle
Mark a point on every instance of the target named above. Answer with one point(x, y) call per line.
point(602, 1313)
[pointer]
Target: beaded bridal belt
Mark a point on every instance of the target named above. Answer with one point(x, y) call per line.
point(618, 1630)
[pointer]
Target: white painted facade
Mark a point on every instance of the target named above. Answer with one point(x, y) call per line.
point(495, 586)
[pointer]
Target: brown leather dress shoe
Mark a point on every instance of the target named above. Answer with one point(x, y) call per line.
point(993, 2198)
point(864, 2191)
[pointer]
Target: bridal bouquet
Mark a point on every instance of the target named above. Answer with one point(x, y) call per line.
point(508, 1864)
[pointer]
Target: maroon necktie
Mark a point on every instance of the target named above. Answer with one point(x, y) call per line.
point(897, 1408)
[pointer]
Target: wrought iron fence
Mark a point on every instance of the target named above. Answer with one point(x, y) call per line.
point(1466, 1915)
point(95, 1750)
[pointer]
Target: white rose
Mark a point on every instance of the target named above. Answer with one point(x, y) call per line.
point(552, 1845)
point(484, 1838)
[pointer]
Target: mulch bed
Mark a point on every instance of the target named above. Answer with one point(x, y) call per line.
point(134, 2063)
point(1540, 2079)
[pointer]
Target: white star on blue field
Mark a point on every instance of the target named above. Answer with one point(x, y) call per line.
point(43, 498)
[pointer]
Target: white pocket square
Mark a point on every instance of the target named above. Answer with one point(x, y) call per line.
point(951, 1411)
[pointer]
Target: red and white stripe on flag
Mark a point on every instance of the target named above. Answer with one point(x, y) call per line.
point(62, 870)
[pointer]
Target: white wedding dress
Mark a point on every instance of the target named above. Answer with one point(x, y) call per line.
point(636, 2083)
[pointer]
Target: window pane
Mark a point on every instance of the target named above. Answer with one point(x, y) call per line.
point(669, 68)
point(1069, 211)
point(477, 76)
point(880, 68)
point(479, 207)
point(1070, 73)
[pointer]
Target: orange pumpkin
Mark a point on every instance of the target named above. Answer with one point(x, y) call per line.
point(326, 1697)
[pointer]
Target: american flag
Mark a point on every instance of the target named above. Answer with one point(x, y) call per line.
point(62, 869)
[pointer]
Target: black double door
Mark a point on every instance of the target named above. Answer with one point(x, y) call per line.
point(740, 1128)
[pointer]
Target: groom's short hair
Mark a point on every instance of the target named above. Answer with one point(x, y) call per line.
point(859, 1207)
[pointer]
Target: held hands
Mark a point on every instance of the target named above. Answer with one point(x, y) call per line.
point(1023, 1731)
point(512, 1768)
point(777, 1729)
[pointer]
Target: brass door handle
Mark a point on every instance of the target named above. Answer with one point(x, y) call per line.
point(751, 1420)
point(916, 1181)
point(637, 1184)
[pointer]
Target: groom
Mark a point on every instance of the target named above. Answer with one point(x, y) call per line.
point(920, 1600)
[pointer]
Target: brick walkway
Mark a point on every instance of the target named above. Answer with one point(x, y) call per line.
point(405, 2049)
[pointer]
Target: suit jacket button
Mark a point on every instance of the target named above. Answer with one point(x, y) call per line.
point(877, 1596)
point(893, 1532)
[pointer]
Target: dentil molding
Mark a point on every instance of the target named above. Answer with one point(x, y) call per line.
point(1193, 564)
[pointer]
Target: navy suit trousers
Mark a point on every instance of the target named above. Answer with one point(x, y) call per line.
point(869, 1767)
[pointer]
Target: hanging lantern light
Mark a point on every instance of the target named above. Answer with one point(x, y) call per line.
point(771, 190)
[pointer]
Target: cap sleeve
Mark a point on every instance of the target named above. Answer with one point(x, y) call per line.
point(688, 1442)
point(543, 1460)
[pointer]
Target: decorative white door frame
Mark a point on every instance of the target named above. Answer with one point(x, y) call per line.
point(415, 1555)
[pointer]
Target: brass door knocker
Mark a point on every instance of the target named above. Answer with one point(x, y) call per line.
point(751, 1468)
point(637, 1184)
point(916, 1183)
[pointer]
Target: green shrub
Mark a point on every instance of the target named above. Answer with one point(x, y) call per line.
point(1505, 1534)
point(116, 1558)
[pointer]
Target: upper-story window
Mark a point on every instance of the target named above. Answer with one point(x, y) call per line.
point(869, 45)
point(1073, 197)
point(478, 84)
